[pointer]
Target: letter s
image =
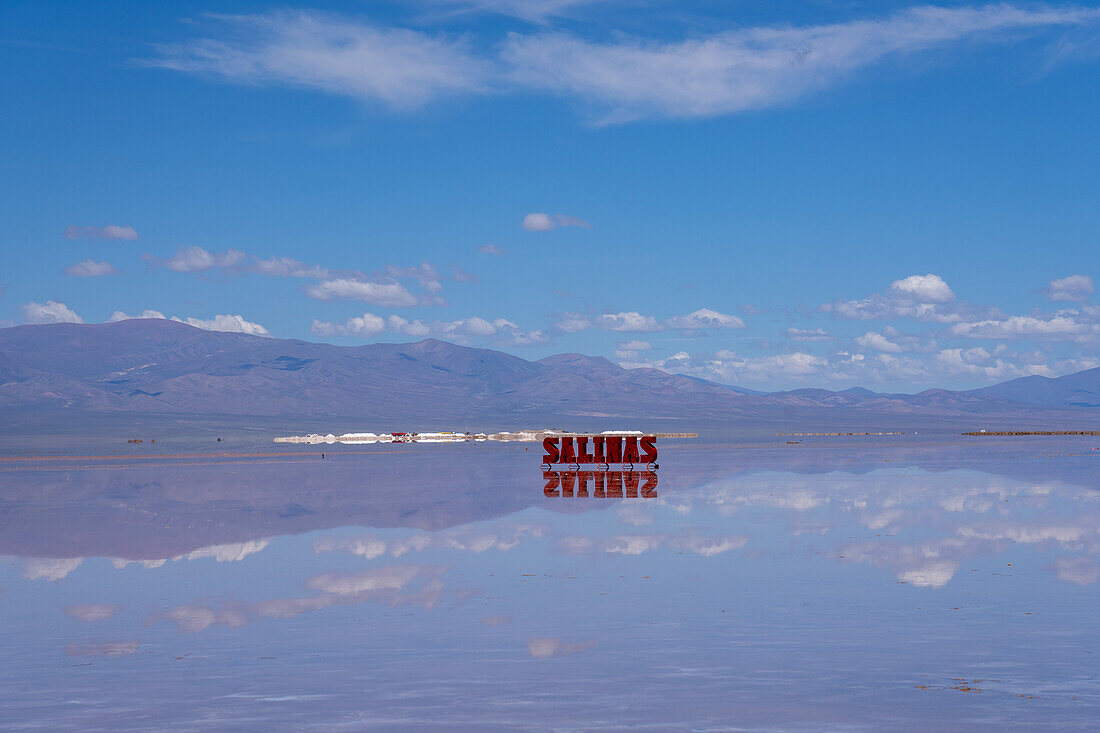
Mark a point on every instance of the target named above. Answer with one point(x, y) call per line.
point(550, 445)
point(553, 479)
point(649, 450)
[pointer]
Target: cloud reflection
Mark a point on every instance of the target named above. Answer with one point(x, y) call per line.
point(104, 649)
point(463, 539)
point(1079, 570)
point(90, 613)
point(386, 585)
point(49, 569)
point(640, 543)
point(543, 648)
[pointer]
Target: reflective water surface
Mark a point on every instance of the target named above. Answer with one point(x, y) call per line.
point(887, 584)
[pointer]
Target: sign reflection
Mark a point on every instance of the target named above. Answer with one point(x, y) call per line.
point(604, 484)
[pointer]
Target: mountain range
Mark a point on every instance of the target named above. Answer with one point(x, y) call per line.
point(155, 366)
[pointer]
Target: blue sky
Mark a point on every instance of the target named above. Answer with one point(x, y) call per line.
point(770, 194)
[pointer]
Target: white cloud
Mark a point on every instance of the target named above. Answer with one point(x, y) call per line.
point(980, 362)
point(1066, 326)
point(778, 366)
point(795, 364)
point(490, 249)
point(111, 231)
point(385, 293)
point(398, 68)
point(388, 294)
point(780, 371)
point(50, 312)
point(500, 330)
point(90, 268)
point(538, 222)
point(532, 11)
point(705, 318)
point(226, 322)
point(573, 322)
point(923, 289)
point(288, 267)
point(923, 297)
point(727, 72)
point(365, 325)
point(815, 334)
point(1075, 287)
point(426, 274)
point(626, 321)
point(197, 259)
point(379, 288)
point(923, 363)
point(509, 334)
point(878, 342)
point(466, 328)
point(121, 316)
point(753, 68)
point(635, 345)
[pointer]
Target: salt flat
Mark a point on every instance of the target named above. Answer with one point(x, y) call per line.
point(889, 583)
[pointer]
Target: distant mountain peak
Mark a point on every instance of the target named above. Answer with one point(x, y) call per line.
point(580, 361)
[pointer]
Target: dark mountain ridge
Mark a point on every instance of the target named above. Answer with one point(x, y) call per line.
point(164, 367)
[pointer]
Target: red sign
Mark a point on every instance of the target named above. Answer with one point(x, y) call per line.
point(600, 449)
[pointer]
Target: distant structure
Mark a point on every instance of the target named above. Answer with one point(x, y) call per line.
point(521, 436)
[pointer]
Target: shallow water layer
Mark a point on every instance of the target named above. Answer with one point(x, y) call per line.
point(879, 584)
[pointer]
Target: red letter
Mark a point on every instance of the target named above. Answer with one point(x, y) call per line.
point(568, 455)
point(552, 480)
point(568, 481)
point(630, 479)
point(597, 486)
point(614, 484)
point(582, 448)
point(583, 477)
point(649, 489)
point(649, 450)
point(614, 450)
point(550, 445)
point(630, 450)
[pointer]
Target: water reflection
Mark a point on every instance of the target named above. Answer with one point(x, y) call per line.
point(761, 587)
point(605, 484)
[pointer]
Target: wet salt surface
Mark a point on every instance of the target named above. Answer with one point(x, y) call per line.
point(844, 584)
